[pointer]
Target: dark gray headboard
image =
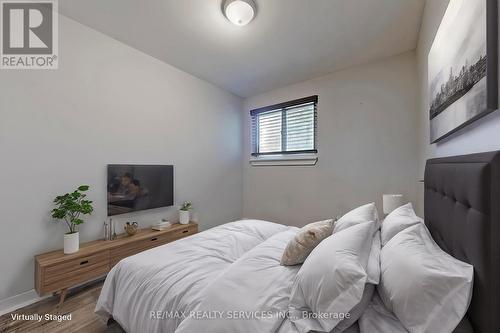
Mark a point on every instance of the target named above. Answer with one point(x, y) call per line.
point(462, 212)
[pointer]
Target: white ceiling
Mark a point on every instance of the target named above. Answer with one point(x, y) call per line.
point(289, 40)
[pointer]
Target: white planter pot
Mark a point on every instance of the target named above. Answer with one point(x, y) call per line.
point(71, 243)
point(184, 216)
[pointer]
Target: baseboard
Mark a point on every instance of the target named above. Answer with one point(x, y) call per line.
point(18, 301)
point(29, 297)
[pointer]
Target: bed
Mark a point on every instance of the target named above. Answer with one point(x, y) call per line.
point(207, 282)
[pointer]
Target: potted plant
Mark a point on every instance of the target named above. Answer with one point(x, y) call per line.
point(70, 207)
point(184, 212)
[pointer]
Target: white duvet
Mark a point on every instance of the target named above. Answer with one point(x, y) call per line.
point(170, 286)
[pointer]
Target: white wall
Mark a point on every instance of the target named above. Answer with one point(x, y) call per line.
point(482, 135)
point(107, 103)
point(366, 141)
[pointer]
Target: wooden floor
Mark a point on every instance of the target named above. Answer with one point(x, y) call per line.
point(80, 303)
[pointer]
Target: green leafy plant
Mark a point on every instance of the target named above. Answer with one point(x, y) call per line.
point(71, 206)
point(186, 206)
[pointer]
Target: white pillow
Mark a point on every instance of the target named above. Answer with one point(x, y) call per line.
point(398, 220)
point(332, 279)
point(427, 289)
point(358, 215)
point(361, 214)
point(372, 279)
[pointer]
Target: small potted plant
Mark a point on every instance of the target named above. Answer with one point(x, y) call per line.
point(184, 212)
point(70, 207)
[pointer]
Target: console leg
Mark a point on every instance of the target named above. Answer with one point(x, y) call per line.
point(62, 296)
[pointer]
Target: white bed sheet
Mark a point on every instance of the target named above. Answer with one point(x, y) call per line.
point(288, 327)
point(153, 290)
point(252, 295)
point(378, 319)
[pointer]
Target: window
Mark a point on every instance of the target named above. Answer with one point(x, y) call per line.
point(286, 128)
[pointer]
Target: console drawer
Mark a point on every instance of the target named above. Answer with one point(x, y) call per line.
point(75, 270)
point(154, 241)
point(184, 232)
point(161, 239)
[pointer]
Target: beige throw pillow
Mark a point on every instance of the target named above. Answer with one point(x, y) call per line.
point(299, 247)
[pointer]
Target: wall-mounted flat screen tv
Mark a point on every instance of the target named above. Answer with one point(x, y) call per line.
point(138, 187)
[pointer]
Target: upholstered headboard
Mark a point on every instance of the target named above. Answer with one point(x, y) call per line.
point(462, 212)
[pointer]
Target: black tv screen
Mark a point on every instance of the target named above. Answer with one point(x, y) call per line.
point(139, 187)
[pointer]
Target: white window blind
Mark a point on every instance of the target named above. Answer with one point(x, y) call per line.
point(286, 128)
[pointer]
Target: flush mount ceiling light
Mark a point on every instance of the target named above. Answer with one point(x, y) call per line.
point(239, 12)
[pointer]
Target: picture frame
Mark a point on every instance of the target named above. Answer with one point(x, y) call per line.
point(463, 67)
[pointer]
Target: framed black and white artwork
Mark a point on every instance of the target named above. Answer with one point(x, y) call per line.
point(462, 67)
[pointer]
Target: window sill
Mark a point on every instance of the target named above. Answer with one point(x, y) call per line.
point(285, 160)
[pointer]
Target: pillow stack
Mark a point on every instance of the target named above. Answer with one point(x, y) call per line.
point(427, 289)
point(333, 279)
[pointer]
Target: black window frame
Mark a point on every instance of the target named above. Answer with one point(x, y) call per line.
point(283, 106)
